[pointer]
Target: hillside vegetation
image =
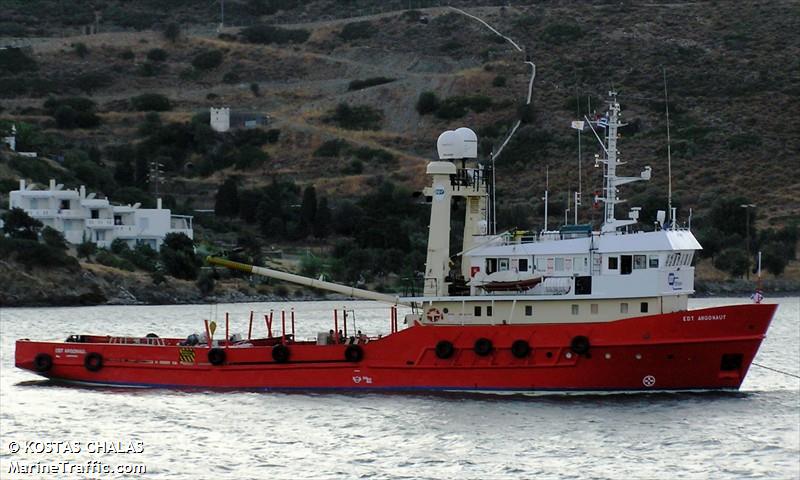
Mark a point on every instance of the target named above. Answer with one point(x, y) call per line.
point(357, 92)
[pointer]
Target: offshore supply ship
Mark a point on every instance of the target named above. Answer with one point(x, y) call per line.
point(571, 309)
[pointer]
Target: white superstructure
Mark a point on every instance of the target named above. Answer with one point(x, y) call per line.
point(569, 274)
point(85, 218)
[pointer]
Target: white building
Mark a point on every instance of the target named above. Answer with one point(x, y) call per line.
point(221, 119)
point(81, 217)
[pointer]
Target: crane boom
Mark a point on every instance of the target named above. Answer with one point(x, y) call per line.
point(306, 281)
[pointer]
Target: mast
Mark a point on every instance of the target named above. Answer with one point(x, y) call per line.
point(612, 123)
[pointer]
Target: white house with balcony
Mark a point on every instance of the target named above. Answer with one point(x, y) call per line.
point(81, 217)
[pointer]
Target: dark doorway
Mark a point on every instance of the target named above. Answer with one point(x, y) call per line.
point(626, 264)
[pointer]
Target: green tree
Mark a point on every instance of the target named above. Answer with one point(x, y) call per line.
point(322, 221)
point(308, 210)
point(20, 225)
point(227, 199)
point(732, 260)
point(80, 49)
point(208, 60)
point(774, 257)
point(205, 283)
point(53, 238)
point(86, 250)
point(172, 32)
point(178, 257)
point(427, 103)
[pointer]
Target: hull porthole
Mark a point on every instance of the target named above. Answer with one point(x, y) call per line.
point(216, 356)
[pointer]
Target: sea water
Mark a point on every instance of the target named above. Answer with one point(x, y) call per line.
point(55, 431)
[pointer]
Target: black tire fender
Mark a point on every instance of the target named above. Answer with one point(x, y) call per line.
point(520, 348)
point(580, 345)
point(444, 349)
point(216, 356)
point(43, 362)
point(93, 362)
point(483, 346)
point(280, 353)
point(354, 353)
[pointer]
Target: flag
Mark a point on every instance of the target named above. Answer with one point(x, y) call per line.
point(577, 124)
point(602, 121)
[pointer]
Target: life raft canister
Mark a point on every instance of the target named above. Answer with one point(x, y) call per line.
point(280, 353)
point(93, 362)
point(434, 315)
point(42, 362)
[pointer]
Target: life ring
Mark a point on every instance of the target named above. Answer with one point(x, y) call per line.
point(93, 362)
point(483, 347)
point(216, 356)
point(434, 315)
point(43, 362)
point(580, 345)
point(520, 348)
point(280, 353)
point(444, 349)
point(354, 353)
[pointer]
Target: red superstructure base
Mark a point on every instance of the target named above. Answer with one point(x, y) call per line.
point(699, 349)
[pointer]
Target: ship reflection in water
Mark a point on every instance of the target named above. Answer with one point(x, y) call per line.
point(245, 434)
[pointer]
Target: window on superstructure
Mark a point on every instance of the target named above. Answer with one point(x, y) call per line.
point(653, 261)
point(559, 265)
point(613, 263)
point(644, 307)
point(623, 308)
point(64, 205)
point(502, 264)
point(595, 308)
point(523, 264)
point(491, 265)
point(528, 310)
point(95, 213)
point(488, 311)
point(477, 310)
point(575, 309)
point(639, 262)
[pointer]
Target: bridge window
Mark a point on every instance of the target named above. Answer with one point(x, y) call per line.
point(528, 310)
point(491, 265)
point(502, 264)
point(639, 262)
point(613, 263)
point(523, 264)
point(64, 205)
point(623, 308)
point(488, 311)
point(644, 307)
point(477, 310)
point(653, 261)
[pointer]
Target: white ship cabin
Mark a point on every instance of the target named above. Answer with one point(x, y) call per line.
point(82, 217)
point(573, 274)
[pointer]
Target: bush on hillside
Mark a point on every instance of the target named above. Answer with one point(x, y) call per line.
point(151, 102)
point(357, 30)
point(427, 103)
point(359, 117)
point(561, 33)
point(157, 55)
point(31, 253)
point(267, 34)
point(208, 60)
point(15, 60)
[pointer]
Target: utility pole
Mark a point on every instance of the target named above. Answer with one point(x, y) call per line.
point(747, 207)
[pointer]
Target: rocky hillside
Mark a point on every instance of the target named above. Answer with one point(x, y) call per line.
point(341, 82)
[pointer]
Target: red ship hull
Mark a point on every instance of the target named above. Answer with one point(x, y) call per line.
point(698, 349)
